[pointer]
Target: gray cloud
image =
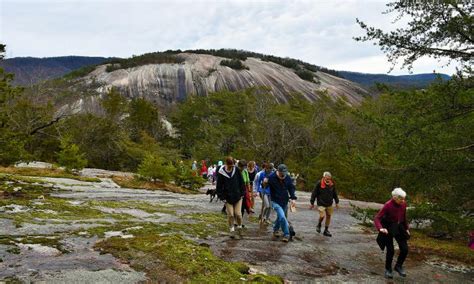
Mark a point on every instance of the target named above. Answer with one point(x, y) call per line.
point(318, 32)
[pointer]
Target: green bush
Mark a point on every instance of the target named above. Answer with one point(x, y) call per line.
point(155, 168)
point(441, 219)
point(305, 75)
point(234, 64)
point(185, 177)
point(365, 215)
point(70, 156)
point(11, 151)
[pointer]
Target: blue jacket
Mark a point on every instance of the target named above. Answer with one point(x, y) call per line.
point(261, 176)
point(281, 190)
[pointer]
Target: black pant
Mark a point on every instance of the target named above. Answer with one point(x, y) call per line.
point(402, 244)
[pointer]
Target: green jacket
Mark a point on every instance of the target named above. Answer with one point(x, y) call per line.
point(245, 176)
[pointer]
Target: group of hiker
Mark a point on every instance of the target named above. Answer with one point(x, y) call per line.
point(238, 183)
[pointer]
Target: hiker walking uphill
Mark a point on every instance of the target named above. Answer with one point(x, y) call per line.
point(281, 191)
point(391, 222)
point(252, 170)
point(325, 193)
point(230, 188)
point(264, 193)
point(246, 205)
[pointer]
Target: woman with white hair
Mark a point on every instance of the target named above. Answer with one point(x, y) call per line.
point(391, 222)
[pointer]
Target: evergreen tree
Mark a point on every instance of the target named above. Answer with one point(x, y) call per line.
point(438, 29)
point(70, 155)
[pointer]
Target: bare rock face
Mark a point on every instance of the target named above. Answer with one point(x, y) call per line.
point(200, 74)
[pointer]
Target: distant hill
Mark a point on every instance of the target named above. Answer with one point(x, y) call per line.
point(401, 81)
point(30, 70)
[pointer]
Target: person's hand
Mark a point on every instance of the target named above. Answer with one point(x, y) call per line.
point(408, 232)
point(337, 206)
point(293, 203)
point(311, 207)
point(383, 231)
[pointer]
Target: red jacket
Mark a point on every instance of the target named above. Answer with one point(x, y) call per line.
point(392, 213)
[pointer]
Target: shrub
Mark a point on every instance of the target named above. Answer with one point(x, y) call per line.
point(157, 168)
point(187, 179)
point(70, 156)
point(234, 64)
point(305, 75)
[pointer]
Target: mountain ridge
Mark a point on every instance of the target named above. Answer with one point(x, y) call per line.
point(58, 66)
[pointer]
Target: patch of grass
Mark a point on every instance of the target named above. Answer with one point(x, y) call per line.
point(133, 182)
point(49, 241)
point(144, 206)
point(100, 230)
point(63, 210)
point(54, 173)
point(14, 250)
point(214, 221)
point(12, 280)
point(453, 249)
point(18, 190)
point(187, 259)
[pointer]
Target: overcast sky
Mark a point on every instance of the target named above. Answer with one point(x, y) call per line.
point(318, 32)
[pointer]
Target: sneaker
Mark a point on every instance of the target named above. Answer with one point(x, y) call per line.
point(400, 270)
point(327, 234)
point(388, 274)
point(268, 222)
point(232, 233)
point(285, 239)
point(318, 229)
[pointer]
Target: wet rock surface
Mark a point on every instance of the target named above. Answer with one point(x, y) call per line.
point(61, 250)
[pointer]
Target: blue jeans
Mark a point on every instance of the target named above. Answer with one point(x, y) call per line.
point(281, 219)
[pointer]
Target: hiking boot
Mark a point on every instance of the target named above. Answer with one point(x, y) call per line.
point(327, 234)
point(285, 239)
point(239, 233)
point(318, 229)
point(275, 236)
point(400, 270)
point(388, 274)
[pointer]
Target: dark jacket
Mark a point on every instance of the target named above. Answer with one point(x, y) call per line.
point(324, 196)
point(230, 187)
point(281, 190)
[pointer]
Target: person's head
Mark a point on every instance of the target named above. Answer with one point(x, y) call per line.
point(195, 162)
point(251, 165)
point(282, 171)
point(242, 164)
point(327, 177)
point(272, 166)
point(399, 195)
point(220, 163)
point(229, 162)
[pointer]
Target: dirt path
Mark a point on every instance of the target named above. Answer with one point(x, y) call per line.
point(350, 255)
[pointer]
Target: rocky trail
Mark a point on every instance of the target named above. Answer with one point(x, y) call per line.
point(55, 236)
